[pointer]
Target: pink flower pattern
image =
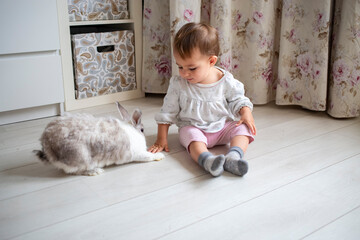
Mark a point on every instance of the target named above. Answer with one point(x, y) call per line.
point(236, 21)
point(188, 15)
point(258, 17)
point(267, 75)
point(340, 71)
point(163, 66)
point(147, 13)
point(319, 23)
point(292, 36)
point(305, 63)
point(225, 62)
point(355, 78)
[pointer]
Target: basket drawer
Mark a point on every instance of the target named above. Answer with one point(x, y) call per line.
point(94, 10)
point(104, 63)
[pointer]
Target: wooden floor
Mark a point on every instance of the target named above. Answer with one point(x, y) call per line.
point(303, 183)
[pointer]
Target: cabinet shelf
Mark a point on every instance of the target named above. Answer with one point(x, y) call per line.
point(66, 27)
point(101, 22)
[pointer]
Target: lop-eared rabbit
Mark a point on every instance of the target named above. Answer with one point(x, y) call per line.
point(84, 144)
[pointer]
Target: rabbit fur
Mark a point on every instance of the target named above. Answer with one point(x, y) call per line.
point(83, 144)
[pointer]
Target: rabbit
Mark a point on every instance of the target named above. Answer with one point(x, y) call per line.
point(83, 144)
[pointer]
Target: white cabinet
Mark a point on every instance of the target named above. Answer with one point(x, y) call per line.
point(66, 28)
point(30, 81)
point(28, 26)
point(30, 63)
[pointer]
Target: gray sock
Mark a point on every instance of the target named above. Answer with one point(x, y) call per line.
point(234, 162)
point(213, 164)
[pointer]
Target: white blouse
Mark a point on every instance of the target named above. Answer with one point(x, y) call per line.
point(205, 106)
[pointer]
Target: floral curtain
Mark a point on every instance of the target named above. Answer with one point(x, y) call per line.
point(296, 52)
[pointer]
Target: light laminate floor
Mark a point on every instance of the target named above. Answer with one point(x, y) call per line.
point(303, 183)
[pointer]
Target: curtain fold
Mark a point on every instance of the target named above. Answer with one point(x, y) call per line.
point(304, 54)
point(344, 82)
point(156, 66)
point(281, 50)
point(182, 12)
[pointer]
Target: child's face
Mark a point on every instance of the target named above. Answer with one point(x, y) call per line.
point(197, 68)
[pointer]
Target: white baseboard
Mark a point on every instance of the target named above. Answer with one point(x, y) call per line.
point(31, 113)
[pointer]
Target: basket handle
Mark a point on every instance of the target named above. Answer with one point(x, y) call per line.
point(107, 48)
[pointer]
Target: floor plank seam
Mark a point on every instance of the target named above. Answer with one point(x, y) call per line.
point(332, 221)
point(76, 179)
point(35, 191)
point(297, 143)
point(13, 168)
point(26, 146)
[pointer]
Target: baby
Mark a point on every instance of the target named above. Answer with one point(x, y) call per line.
point(204, 102)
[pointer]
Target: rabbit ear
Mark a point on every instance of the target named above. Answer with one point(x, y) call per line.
point(124, 115)
point(136, 117)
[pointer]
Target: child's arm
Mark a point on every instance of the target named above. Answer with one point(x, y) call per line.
point(248, 119)
point(161, 141)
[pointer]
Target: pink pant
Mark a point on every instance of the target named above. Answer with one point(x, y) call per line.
point(190, 134)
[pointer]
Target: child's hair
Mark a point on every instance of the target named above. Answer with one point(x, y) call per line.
point(196, 35)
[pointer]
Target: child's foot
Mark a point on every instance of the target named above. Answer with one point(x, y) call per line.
point(234, 162)
point(213, 164)
point(237, 167)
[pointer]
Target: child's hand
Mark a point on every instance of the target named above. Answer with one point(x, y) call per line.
point(161, 141)
point(248, 119)
point(159, 146)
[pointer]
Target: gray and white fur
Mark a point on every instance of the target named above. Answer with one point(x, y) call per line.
point(84, 144)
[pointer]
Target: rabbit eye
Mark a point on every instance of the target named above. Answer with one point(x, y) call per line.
point(142, 130)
